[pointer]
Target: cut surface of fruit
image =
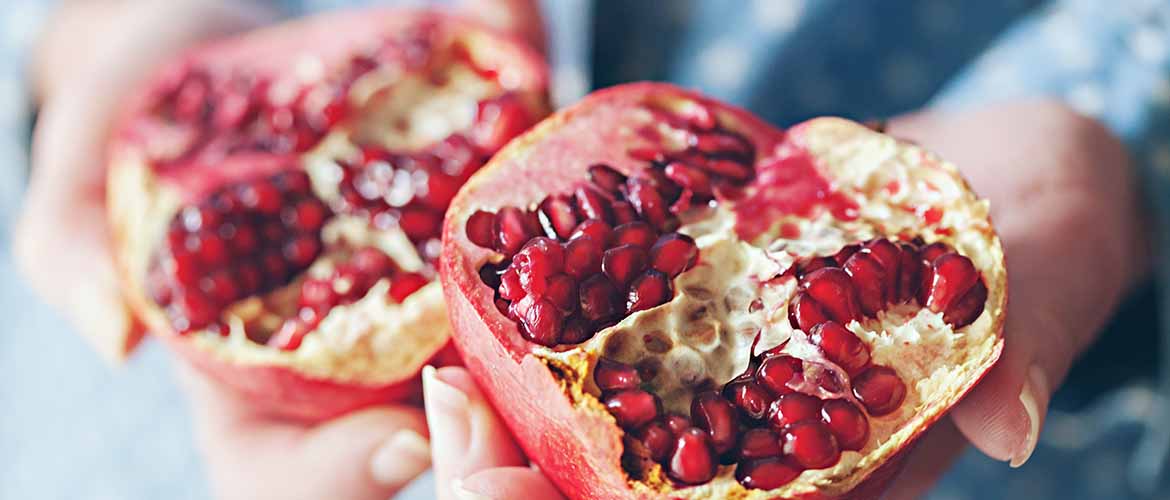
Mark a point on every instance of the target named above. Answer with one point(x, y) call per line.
point(277, 199)
point(773, 300)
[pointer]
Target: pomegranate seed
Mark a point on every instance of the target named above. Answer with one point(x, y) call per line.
point(261, 196)
point(847, 423)
point(557, 217)
point(593, 228)
point(373, 262)
point(759, 443)
point(537, 261)
point(833, 290)
point(576, 331)
point(718, 417)
point(274, 267)
point(599, 299)
point(890, 257)
point(317, 294)
point(730, 169)
point(243, 240)
point(689, 178)
point(636, 233)
point(219, 286)
point(674, 253)
point(623, 212)
point(804, 313)
point(404, 284)
point(513, 230)
point(606, 177)
point(841, 346)
point(933, 251)
point(290, 334)
point(776, 372)
point(194, 311)
point(677, 423)
point(622, 263)
point(843, 255)
point(562, 291)
point(542, 322)
point(250, 279)
point(952, 275)
point(481, 228)
point(633, 408)
point(592, 204)
point(880, 390)
point(693, 460)
point(648, 202)
point(582, 257)
point(294, 182)
point(308, 215)
point(302, 250)
point(510, 285)
point(194, 218)
point(420, 223)
point(910, 277)
point(209, 247)
point(811, 445)
point(766, 473)
point(649, 290)
point(869, 278)
point(792, 408)
point(751, 398)
point(967, 309)
point(613, 376)
point(657, 439)
point(813, 264)
point(721, 144)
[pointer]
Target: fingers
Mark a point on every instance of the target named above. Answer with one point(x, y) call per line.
point(928, 461)
point(468, 436)
point(365, 455)
point(507, 482)
point(519, 17)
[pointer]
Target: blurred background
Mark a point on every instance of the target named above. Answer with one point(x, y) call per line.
point(72, 426)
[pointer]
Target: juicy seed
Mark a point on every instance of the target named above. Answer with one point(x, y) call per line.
point(592, 204)
point(718, 417)
point(841, 346)
point(692, 179)
point(833, 290)
point(804, 313)
point(952, 275)
point(777, 371)
point(677, 423)
point(510, 287)
point(405, 284)
point(576, 331)
point(513, 230)
point(649, 290)
point(751, 398)
point(967, 309)
point(562, 291)
point(613, 376)
point(890, 257)
point(765, 474)
point(606, 177)
point(557, 217)
point(880, 390)
point(793, 408)
point(481, 228)
point(542, 322)
point(633, 408)
point(847, 423)
point(648, 202)
point(811, 445)
point(911, 273)
point(759, 443)
point(693, 460)
point(657, 439)
point(582, 257)
point(599, 299)
point(870, 281)
point(593, 228)
point(674, 253)
point(622, 263)
point(636, 233)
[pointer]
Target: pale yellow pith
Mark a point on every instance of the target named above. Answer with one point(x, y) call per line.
point(371, 340)
point(706, 331)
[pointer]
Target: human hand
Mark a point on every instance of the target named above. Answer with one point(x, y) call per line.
point(1063, 200)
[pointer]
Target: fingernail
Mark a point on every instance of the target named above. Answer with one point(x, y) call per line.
point(445, 396)
point(402, 458)
point(1035, 388)
point(462, 493)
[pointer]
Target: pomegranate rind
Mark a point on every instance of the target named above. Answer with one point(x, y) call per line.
point(546, 398)
point(307, 384)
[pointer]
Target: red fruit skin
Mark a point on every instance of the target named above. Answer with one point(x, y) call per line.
point(578, 448)
point(284, 391)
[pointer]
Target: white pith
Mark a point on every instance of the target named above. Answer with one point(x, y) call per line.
point(936, 362)
point(371, 340)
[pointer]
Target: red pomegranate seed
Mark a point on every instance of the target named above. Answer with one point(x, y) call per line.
point(869, 279)
point(542, 322)
point(194, 218)
point(910, 277)
point(290, 334)
point(751, 398)
point(890, 257)
point(804, 313)
point(599, 299)
point(648, 202)
point(716, 143)
point(623, 212)
point(689, 178)
point(606, 177)
point(250, 278)
point(813, 264)
point(841, 346)
point(510, 285)
point(843, 255)
point(274, 267)
point(562, 291)
point(420, 223)
point(622, 263)
point(847, 423)
point(656, 179)
point(537, 261)
point(209, 247)
point(302, 250)
point(649, 290)
point(557, 217)
point(576, 331)
point(776, 372)
point(633, 408)
point(404, 284)
point(674, 253)
point(677, 423)
point(934, 251)
point(811, 445)
point(693, 460)
point(513, 230)
point(317, 294)
point(833, 291)
point(967, 309)
point(592, 204)
point(636, 233)
point(243, 239)
point(372, 262)
point(718, 417)
point(765, 473)
point(599, 230)
point(195, 310)
point(792, 408)
point(261, 196)
point(657, 439)
point(759, 443)
point(481, 228)
point(879, 389)
point(614, 376)
point(730, 169)
point(582, 257)
point(219, 286)
point(952, 275)
point(294, 182)
point(307, 215)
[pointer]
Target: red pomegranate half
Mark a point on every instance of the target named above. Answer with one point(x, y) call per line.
point(277, 199)
point(666, 297)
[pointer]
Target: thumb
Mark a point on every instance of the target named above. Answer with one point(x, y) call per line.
point(365, 455)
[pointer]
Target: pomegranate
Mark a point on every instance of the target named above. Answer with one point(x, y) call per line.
point(277, 198)
point(760, 313)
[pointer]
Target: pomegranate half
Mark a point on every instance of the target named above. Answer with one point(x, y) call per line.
point(666, 297)
point(277, 199)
